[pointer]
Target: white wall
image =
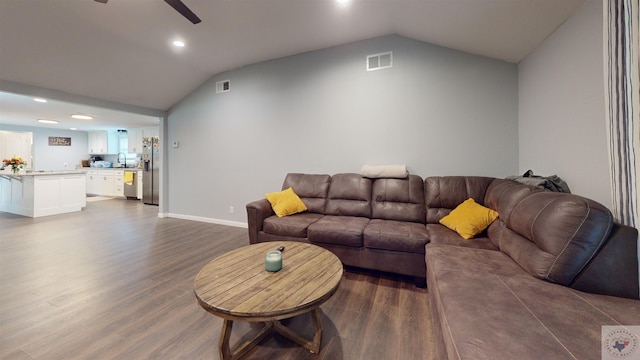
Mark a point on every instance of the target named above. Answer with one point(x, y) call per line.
point(47, 157)
point(562, 110)
point(440, 111)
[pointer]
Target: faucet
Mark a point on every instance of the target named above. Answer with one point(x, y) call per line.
point(125, 159)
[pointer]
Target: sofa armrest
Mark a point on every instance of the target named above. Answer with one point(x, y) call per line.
point(614, 269)
point(257, 211)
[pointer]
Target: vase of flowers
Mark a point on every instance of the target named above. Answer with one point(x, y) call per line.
point(16, 163)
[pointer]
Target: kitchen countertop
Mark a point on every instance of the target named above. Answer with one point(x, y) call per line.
point(42, 173)
point(115, 168)
point(61, 172)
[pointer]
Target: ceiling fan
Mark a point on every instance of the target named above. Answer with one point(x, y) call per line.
point(179, 6)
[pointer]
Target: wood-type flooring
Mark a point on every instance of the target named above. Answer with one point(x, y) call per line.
point(115, 281)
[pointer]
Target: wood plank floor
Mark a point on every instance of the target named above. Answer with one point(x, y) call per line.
point(116, 282)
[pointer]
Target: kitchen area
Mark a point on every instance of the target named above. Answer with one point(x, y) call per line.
point(121, 164)
point(75, 150)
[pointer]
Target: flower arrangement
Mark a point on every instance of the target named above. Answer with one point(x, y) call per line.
point(15, 162)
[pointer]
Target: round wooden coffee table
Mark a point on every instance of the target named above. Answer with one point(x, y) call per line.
point(236, 286)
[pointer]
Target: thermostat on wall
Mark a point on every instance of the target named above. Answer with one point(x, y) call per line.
point(176, 144)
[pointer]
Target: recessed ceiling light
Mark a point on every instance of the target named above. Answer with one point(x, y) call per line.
point(81, 117)
point(178, 43)
point(40, 100)
point(45, 121)
point(343, 2)
point(73, 129)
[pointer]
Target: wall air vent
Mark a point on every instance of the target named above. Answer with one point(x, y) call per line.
point(223, 86)
point(380, 61)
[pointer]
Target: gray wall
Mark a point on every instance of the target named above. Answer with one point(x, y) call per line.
point(439, 111)
point(47, 157)
point(562, 109)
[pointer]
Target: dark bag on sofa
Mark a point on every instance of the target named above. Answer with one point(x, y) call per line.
point(553, 182)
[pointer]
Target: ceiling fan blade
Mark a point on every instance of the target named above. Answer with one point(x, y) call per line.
point(184, 10)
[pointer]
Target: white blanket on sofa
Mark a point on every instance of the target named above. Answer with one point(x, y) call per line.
point(384, 171)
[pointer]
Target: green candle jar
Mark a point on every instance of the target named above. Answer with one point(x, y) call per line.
point(273, 261)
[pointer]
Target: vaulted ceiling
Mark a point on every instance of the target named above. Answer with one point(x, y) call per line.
point(122, 51)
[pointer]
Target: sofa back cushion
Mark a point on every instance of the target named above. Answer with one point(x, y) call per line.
point(311, 188)
point(349, 195)
point(444, 193)
point(503, 195)
point(398, 199)
point(554, 235)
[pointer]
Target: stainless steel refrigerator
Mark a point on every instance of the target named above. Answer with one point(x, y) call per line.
point(151, 170)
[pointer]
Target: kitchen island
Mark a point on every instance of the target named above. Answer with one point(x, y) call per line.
point(42, 193)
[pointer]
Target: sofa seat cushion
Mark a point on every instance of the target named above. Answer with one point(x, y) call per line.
point(489, 262)
point(340, 230)
point(489, 308)
point(396, 236)
point(292, 225)
point(440, 234)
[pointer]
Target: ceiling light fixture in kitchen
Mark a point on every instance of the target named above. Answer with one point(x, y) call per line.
point(45, 121)
point(81, 117)
point(40, 100)
point(178, 43)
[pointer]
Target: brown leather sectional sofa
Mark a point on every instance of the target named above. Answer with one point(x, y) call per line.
point(373, 224)
point(539, 283)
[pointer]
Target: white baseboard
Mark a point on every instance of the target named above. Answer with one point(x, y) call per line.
point(207, 220)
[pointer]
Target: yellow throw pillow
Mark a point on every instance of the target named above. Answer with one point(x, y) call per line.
point(285, 202)
point(469, 218)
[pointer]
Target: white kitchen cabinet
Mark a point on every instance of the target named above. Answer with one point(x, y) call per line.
point(97, 140)
point(118, 183)
point(105, 183)
point(92, 182)
point(103, 142)
point(57, 194)
point(135, 140)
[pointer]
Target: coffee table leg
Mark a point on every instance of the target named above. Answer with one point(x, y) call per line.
point(311, 345)
point(225, 349)
point(317, 336)
point(223, 344)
